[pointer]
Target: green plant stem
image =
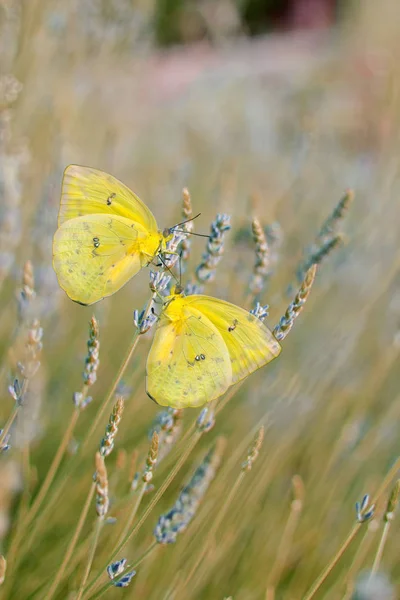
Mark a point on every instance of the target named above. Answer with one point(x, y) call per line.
point(381, 547)
point(98, 528)
point(320, 580)
point(388, 478)
point(317, 584)
point(105, 405)
point(42, 518)
point(55, 464)
point(214, 527)
point(59, 575)
point(9, 423)
point(357, 561)
point(192, 443)
point(37, 503)
point(132, 515)
point(174, 585)
point(283, 549)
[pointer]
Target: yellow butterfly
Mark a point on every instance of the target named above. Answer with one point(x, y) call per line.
point(201, 347)
point(105, 235)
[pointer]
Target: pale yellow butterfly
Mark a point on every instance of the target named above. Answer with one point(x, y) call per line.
point(201, 347)
point(105, 235)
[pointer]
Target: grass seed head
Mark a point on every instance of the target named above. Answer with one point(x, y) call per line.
point(187, 213)
point(92, 360)
point(262, 265)
point(107, 443)
point(320, 253)
point(151, 458)
point(295, 308)
point(168, 425)
point(328, 237)
point(330, 227)
point(27, 293)
point(205, 272)
point(177, 519)
point(101, 480)
point(254, 450)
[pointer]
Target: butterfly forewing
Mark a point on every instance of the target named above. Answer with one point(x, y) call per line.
point(90, 191)
point(188, 364)
point(250, 343)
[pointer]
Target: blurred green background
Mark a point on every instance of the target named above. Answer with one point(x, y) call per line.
point(268, 109)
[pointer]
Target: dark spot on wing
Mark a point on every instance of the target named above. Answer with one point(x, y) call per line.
point(233, 326)
point(110, 198)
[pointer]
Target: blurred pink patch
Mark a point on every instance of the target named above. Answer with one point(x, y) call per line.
point(310, 14)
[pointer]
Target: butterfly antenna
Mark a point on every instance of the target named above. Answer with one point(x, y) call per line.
point(180, 268)
point(183, 222)
point(192, 233)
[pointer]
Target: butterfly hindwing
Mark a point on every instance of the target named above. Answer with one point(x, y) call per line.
point(90, 191)
point(250, 343)
point(95, 255)
point(188, 363)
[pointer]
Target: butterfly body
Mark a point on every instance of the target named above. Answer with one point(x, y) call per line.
point(105, 235)
point(201, 347)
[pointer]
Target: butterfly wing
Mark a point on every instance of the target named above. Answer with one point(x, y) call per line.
point(175, 377)
point(250, 343)
point(95, 255)
point(87, 191)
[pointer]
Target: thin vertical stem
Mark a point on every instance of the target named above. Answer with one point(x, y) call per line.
point(120, 374)
point(317, 584)
point(72, 544)
point(381, 547)
point(320, 580)
point(9, 423)
point(98, 528)
point(54, 466)
point(283, 549)
point(131, 517)
point(109, 397)
point(358, 559)
point(214, 527)
point(192, 443)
